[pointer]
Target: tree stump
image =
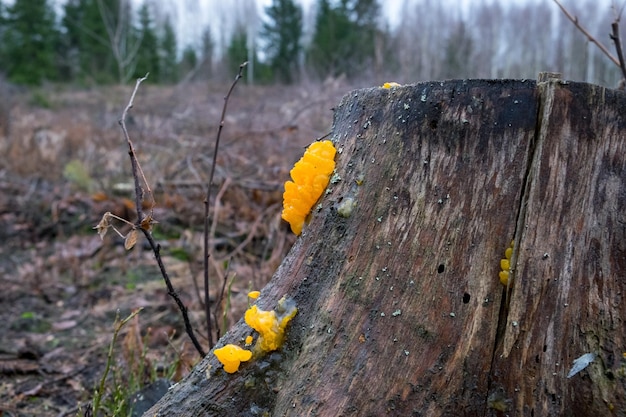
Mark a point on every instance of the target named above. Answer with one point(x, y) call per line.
point(400, 309)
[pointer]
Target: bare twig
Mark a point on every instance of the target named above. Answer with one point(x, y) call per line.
point(144, 223)
point(599, 44)
point(206, 208)
point(251, 232)
point(212, 257)
point(618, 45)
point(216, 210)
point(221, 299)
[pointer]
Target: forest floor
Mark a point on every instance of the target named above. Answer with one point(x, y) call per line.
point(67, 164)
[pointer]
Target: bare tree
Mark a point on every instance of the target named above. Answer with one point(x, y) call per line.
point(510, 40)
point(123, 46)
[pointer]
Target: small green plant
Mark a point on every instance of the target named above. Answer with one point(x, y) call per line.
point(40, 99)
point(77, 173)
point(28, 315)
point(100, 391)
point(227, 307)
point(123, 379)
point(112, 394)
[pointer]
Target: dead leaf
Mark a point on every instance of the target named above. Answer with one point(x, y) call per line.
point(130, 240)
point(99, 196)
point(103, 225)
point(76, 384)
point(147, 222)
point(64, 325)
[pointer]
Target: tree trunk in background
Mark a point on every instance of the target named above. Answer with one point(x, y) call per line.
point(400, 308)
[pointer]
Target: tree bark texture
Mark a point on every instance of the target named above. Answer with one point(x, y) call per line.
point(400, 309)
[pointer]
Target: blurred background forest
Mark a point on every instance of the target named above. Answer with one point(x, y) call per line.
point(288, 41)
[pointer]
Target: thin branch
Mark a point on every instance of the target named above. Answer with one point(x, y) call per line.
point(139, 192)
point(216, 211)
point(206, 207)
point(574, 20)
point(618, 45)
point(221, 299)
point(145, 223)
point(251, 232)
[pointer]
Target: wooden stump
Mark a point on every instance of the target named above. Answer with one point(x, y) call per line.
point(400, 308)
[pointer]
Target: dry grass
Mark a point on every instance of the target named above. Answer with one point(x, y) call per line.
point(67, 164)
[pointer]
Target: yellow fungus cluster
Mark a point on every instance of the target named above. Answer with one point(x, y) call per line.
point(270, 325)
point(310, 177)
point(505, 265)
point(231, 357)
point(390, 84)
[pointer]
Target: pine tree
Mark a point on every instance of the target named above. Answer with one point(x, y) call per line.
point(30, 39)
point(73, 14)
point(237, 53)
point(188, 63)
point(360, 43)
point(324, 54)
point(148, 53)
point(206, 54)
point(3, 60)
point(237, 49)
point(457, 52)
point(343, 41)
point(169, 64)
point(282, 34)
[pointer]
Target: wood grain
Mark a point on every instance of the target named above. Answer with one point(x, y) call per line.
point(396, 276)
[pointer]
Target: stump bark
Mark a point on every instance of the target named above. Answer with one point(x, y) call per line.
point(400, 308)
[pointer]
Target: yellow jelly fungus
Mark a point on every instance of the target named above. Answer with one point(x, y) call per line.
point(254, 294)
point(310, 178)
point(505, 265)
point(270, 324)
point(391, 84)
point(249, 340)
point(504, 277)
point(231, 357)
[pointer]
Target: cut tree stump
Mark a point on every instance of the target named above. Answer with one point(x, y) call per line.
point(400, 309)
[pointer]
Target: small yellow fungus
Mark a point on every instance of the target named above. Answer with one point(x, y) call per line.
point(270, 324)
point(310, 177)
point(504, 277)
point(390, 84)
point(249, 340)
point(231, 357)
point(505, 265)
point(254, 294)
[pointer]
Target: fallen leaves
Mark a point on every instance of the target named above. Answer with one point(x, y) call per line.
point(130, 239)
